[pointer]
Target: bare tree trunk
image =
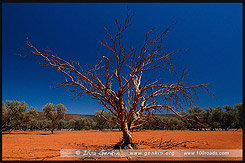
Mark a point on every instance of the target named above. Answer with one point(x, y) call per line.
point(127, 137)
point(52, 130)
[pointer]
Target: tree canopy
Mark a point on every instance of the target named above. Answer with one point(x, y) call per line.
point(54, 113)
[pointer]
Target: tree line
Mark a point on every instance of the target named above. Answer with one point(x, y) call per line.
point(18, 116)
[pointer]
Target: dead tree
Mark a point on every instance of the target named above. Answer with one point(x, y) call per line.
point(117, 83)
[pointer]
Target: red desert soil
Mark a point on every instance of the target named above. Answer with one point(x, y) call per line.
point(41, 145)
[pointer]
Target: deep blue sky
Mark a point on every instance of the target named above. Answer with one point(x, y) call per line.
point(212, 32)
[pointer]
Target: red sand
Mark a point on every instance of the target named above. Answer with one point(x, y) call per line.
point(42, 145)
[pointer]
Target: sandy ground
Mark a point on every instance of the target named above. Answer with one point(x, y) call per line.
point(42, 145)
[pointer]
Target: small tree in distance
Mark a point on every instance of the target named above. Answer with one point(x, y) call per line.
point(103, 119)
point(119, 82)
point(239, 115)
point(54, 113)
point(227, 117)
point(16, 114)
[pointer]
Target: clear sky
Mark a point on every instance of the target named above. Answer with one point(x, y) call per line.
point(212, 33)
